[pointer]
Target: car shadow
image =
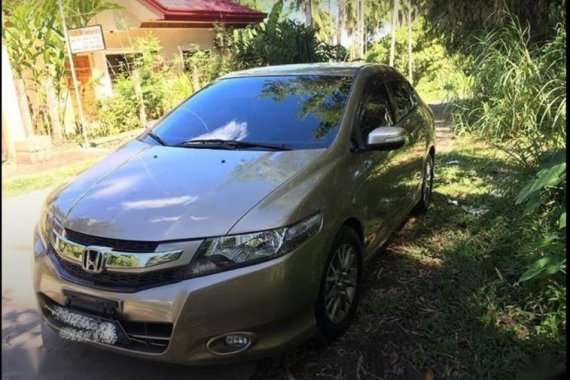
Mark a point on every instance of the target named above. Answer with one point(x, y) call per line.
point(417, 318)
point(26, 356)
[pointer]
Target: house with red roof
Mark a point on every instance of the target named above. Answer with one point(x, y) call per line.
point(179, 25)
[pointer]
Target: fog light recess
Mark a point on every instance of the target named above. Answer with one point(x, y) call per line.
point(231, 343)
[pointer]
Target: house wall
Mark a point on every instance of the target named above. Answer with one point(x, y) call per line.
point(170, 39)
point(121, 29)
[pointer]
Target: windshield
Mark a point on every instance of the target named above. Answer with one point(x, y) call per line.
point(296, 112)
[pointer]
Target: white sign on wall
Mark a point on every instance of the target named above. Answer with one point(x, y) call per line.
point(87, 39)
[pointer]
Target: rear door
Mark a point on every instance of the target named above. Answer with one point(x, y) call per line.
point(411, 155)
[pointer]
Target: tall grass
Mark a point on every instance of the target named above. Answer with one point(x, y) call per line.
point(519, 92)
point(518, 101)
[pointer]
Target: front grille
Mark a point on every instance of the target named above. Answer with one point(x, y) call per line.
point(126, 282)
point(151, 337)
point(135, 246)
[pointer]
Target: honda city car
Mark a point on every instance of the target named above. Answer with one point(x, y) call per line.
point(240, 223)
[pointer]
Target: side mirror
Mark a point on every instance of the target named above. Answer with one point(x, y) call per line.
point(386, 138)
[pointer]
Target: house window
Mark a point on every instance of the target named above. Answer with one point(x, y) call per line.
point(120, 65)
point(198, 54)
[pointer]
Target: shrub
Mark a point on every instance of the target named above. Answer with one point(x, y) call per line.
point(118, 113)
point(519, 93)
point(519, 102)
point(436, 74)
point(279, 42)
point(545, 194)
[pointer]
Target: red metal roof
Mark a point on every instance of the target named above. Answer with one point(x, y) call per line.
point(204, 11)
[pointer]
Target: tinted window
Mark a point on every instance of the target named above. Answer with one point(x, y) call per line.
point(402, 99)
point(412, 93)
point(376, 109)
point(296, 111)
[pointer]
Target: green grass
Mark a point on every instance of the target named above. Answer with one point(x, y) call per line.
point(26, 183)
point(473, 319)
point(441, 300)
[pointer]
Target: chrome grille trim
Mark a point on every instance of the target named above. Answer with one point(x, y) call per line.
point(114, 261)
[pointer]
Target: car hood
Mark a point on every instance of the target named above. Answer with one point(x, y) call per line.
point(156, 193)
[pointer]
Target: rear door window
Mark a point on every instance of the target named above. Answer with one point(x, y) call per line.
point(402, 98)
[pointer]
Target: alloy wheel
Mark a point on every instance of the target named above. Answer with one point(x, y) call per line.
point(341, 282)
point(428, 181)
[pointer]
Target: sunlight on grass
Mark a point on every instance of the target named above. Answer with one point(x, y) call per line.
point(464, 266)
point(44, 179)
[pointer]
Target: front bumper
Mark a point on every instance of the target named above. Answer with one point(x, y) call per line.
point(274, 301)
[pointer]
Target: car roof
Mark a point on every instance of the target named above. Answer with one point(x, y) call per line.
point(327, 68)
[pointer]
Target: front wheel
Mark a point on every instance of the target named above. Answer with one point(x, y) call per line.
point(427, 185)
point(340, 285)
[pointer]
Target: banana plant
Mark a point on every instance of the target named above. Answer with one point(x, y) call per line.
point(550, 180)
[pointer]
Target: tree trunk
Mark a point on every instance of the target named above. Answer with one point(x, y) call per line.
point(331, 24)
point(362, 30)
point(394, 26)
point(340, 22)
point(359, 30)
point(53, 111)
point(410, 56)
point(195, 79)
point(24, 107)
point(308, 13)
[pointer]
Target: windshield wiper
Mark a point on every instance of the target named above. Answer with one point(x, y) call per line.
point(229, 144)
point(157, 138)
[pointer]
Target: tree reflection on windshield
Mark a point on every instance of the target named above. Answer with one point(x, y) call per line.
point(293, 111)
point(321, 96)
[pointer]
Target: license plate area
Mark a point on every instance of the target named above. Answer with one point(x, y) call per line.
point(102, 307)
point(78, 326)
point(88, 318)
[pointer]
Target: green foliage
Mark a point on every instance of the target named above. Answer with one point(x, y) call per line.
point(80, 12)
point(546, 265)
point(120, 112)
point(434, 70)
point(152, 72)
point(163, 85)
point(460, 23)
point(546, 193)
point(277, 42)
point(149, 72)
point(519, 93)
point(33, 34)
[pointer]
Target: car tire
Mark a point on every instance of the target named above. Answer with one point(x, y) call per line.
point(427, 186)
point(337, 300)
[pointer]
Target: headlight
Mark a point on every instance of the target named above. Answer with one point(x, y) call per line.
point(45, 225)
point(229, 252)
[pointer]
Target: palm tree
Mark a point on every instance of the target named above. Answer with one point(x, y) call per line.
point(394, 26)
point(340, 21)
point(307, 6)
point(80, 12)
point(361, 24)
point(411, 9)
point(323, 21)
point(308, 9)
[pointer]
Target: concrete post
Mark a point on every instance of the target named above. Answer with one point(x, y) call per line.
point(13, 119)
